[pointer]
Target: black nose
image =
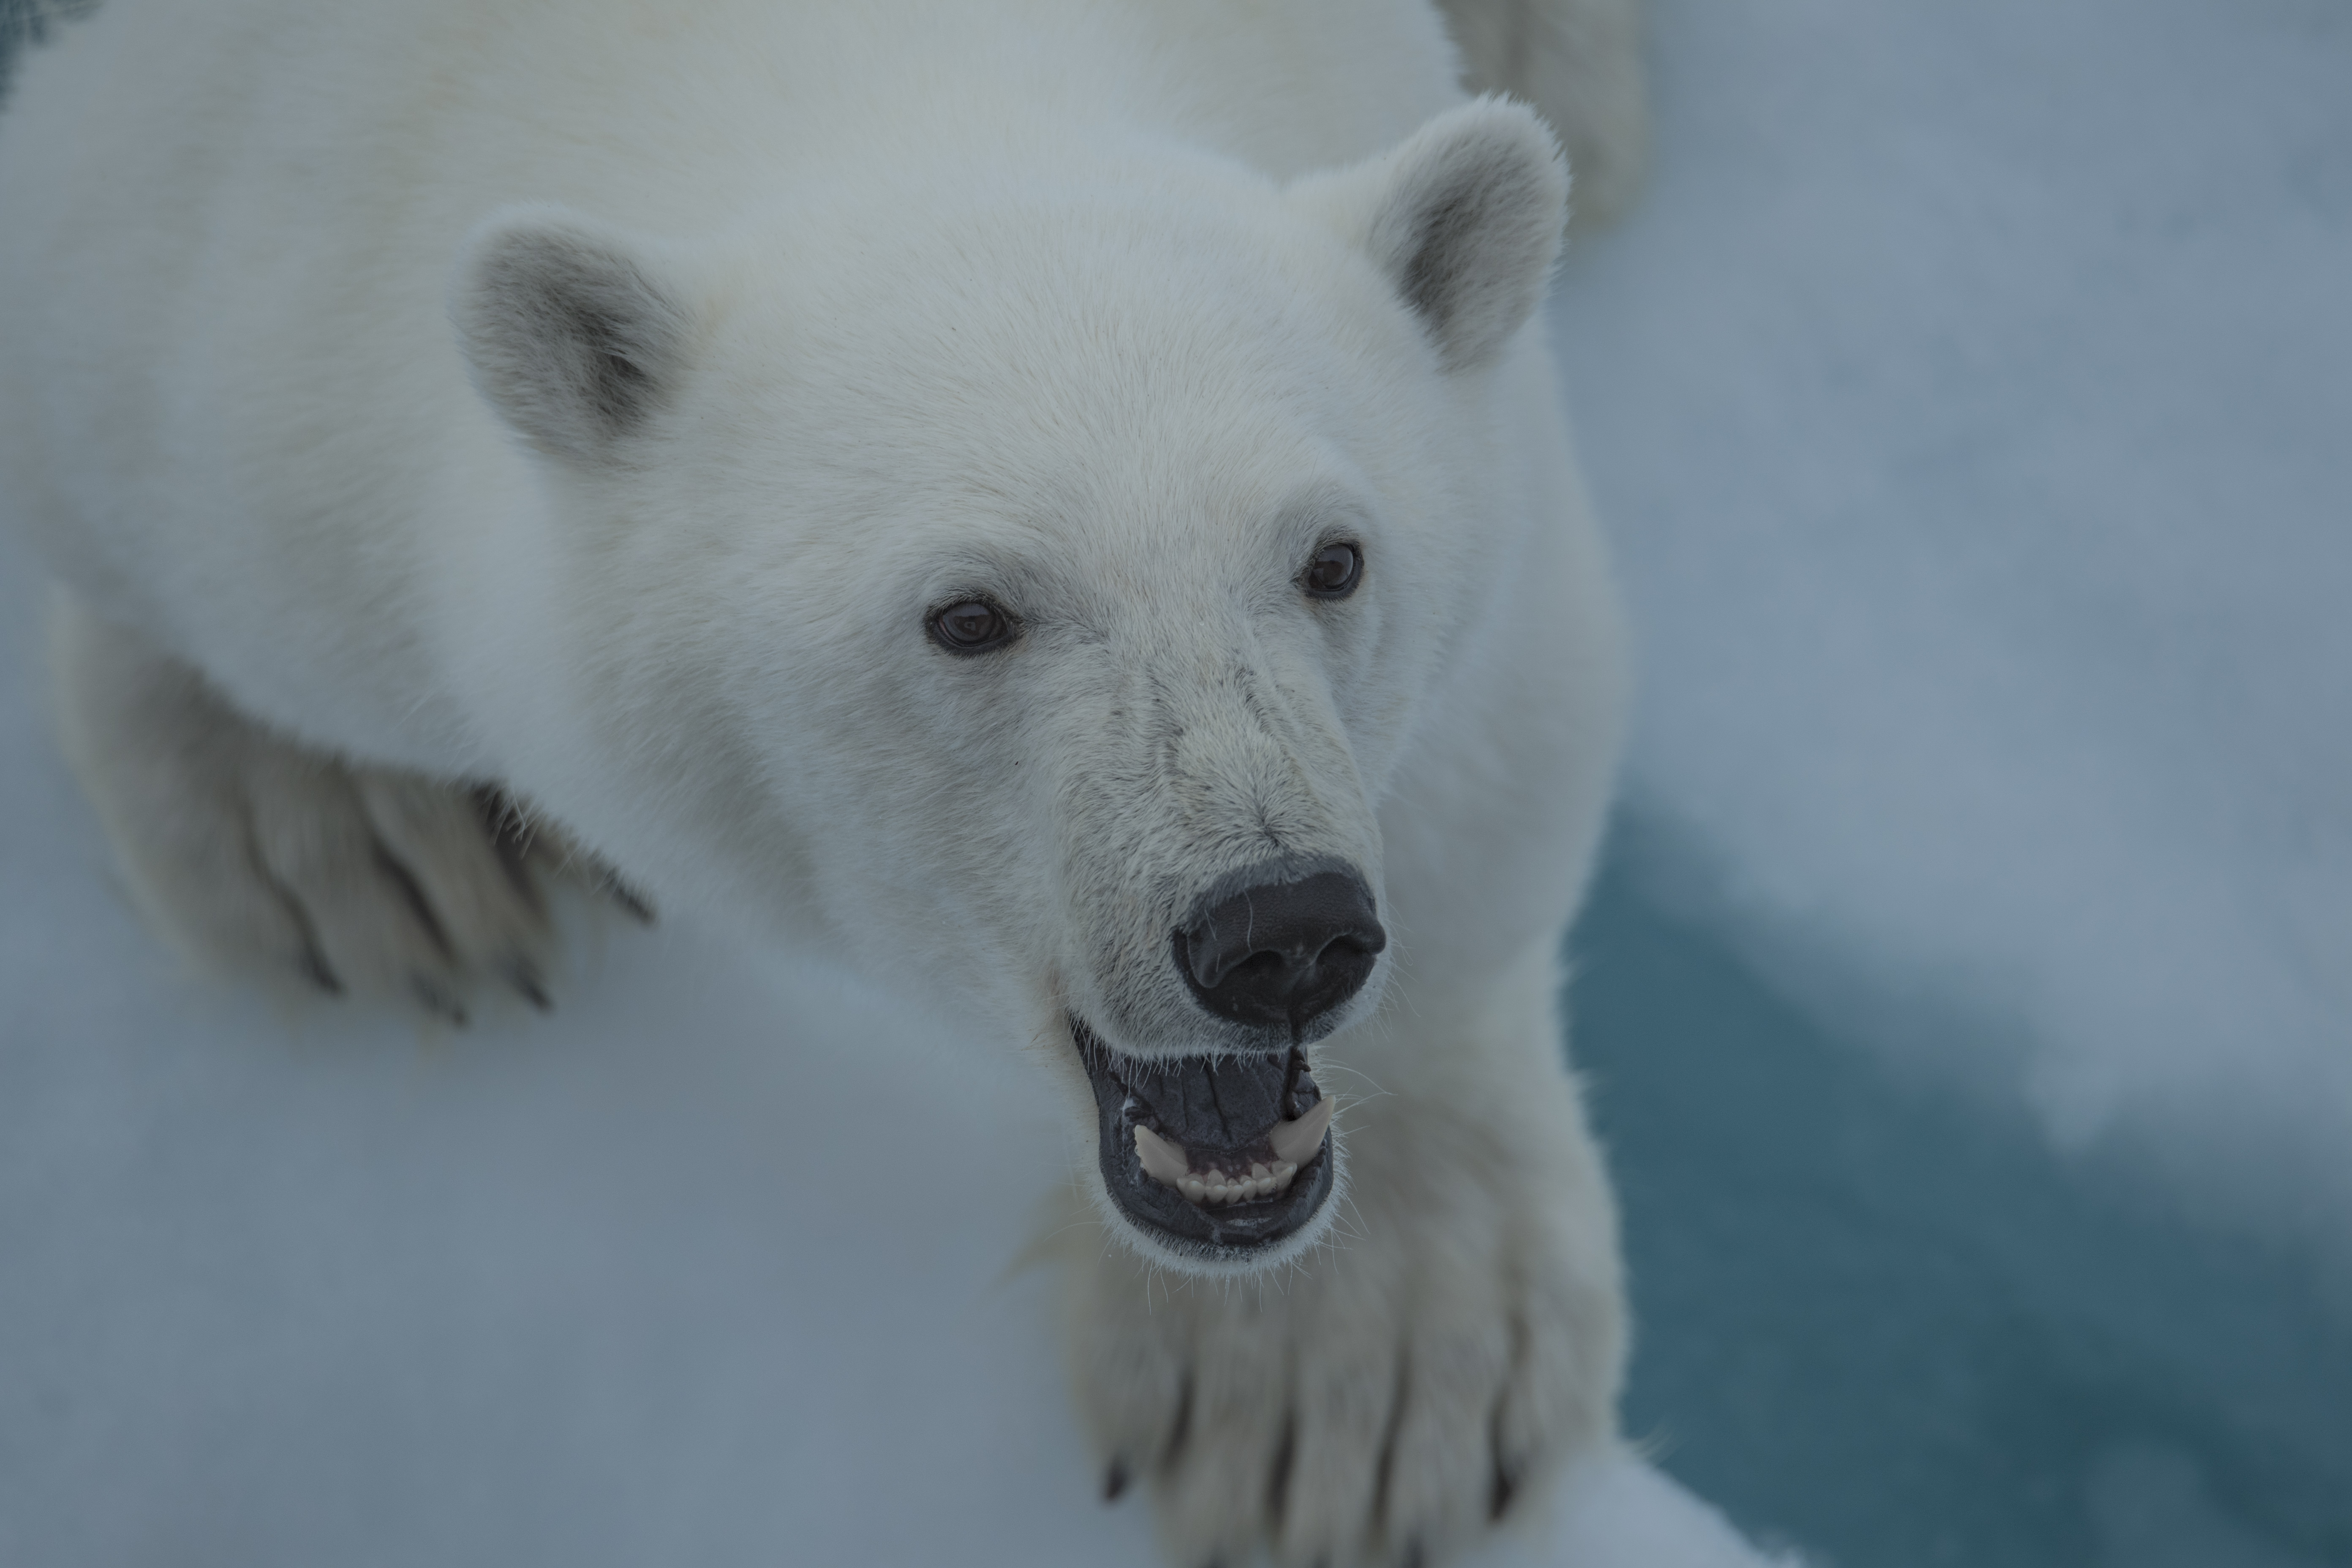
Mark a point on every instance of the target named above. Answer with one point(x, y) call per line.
point(1284, 950)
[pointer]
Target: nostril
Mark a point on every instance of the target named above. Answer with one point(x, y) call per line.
point(1348, 944)
point(1281, 948)
point(1258, 968)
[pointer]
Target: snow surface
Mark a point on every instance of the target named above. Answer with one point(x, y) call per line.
point(1972, 403)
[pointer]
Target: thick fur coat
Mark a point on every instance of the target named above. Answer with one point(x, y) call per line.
point(461, 430)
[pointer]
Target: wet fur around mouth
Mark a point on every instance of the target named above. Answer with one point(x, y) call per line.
point(1221, 1110)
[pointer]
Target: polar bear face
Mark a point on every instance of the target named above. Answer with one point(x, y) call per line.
point(1028, 586)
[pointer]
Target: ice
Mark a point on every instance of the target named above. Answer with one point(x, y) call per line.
point(1972, 403)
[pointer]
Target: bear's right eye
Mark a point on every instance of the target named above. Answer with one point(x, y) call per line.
point(970, 626)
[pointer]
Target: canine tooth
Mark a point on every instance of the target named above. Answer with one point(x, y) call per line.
point(1163, 1160)
point(1295, 1141)
point(1284, 1170)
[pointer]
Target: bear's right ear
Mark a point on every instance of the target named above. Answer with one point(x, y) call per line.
point(569, 336)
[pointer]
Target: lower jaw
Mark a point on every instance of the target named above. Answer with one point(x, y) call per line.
point(1243, 1233)
point(1237, 1234)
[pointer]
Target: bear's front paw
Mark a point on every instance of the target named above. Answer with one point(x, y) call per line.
point(1392, 1395)
point(257, 854)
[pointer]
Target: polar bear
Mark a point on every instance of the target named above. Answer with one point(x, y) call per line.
point(1059, 505)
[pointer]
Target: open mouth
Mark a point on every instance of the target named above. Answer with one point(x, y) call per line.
point(1219, 1157)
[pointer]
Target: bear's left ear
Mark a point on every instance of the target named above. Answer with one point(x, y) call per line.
point(1464, 218)
point(571, 337)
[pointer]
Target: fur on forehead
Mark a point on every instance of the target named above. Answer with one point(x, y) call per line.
point(949, 407)
point(1016, 317)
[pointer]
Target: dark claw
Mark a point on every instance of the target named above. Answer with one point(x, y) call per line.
point(314, 970)
point(510, 836)
point(1173, 1454)
point(1498, 1500)
point(435, 1000)
point(1507, 1477)
point(523, 975)
point(1114, 1480)
point(404, 882)
point(1278, 1485)
point(636, 908)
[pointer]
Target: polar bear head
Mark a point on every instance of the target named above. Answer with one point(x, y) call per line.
point(1022, 577)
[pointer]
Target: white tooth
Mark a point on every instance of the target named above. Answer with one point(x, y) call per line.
point(1284, 1172)
point(1282, 1183)
point(1163, 1160)
point(1194, 1188)
point(1295, 1141)
point(1259, 1172)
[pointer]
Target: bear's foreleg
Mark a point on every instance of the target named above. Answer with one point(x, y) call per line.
point(255, 855)
point(1397, 1392)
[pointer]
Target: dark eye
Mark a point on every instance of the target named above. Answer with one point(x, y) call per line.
point(970, 626)
point(1333, 572)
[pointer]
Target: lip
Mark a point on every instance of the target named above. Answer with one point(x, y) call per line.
point(1221, 1110)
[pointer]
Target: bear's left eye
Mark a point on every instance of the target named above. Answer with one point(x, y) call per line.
point(1333, 572)
point(970, 626)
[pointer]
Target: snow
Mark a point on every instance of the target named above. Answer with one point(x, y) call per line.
point(1972, 403)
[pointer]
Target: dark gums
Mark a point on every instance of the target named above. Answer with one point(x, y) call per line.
point(1221, 1110)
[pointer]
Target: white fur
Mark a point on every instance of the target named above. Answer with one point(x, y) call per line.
point(1112, 312)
